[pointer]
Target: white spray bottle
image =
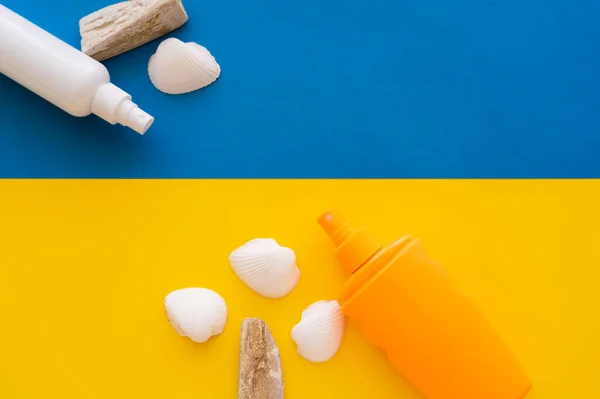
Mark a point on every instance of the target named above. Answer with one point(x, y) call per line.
point(63, 75)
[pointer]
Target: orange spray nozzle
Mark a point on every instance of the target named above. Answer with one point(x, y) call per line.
point(354, 245)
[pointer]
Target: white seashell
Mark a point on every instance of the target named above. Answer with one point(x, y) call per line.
point(320, 332)
point(197, 313)
point(179, 67)
point(266, 267)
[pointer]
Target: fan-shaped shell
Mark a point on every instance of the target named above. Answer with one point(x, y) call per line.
point(266, 267)
point(196, 313)
point(179, 67)
point(320, 332)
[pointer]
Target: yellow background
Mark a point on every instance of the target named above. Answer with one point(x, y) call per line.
point(85, 266)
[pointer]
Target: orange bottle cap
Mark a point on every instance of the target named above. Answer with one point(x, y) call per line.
point(354, 245)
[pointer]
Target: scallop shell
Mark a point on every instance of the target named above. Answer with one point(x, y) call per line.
point(266, 267)
point(196, 313)
point(179, 67)
point(320, 332)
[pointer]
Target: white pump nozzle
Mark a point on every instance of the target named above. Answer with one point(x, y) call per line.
point(115, 106)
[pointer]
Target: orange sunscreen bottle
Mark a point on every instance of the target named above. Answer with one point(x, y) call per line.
point(405, 303)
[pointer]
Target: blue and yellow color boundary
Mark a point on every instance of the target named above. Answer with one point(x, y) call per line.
point(99, 224)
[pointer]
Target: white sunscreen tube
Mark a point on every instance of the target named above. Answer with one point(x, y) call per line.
point(63, 75)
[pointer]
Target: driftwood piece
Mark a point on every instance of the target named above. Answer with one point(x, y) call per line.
point(260, 364)
point(124, 26)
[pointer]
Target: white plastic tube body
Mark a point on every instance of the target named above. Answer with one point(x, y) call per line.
point(63, 75)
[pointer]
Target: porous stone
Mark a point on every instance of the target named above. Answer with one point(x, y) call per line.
point(260, 374)
point(124, 26)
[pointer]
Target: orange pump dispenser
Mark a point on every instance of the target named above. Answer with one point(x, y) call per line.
point(405, 303)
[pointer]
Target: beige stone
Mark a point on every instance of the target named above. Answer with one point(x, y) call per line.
point(260, 374)
point(124, 26)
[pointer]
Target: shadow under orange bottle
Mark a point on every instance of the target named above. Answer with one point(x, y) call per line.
point(405, 303)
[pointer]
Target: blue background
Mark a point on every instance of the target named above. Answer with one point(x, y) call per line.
point(357, 88)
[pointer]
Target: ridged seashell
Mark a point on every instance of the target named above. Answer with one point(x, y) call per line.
point(320, 332)
point(266, 267)
point(196, 313)
point(178, 67)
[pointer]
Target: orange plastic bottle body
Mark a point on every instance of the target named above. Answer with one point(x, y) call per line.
point(405, 303)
